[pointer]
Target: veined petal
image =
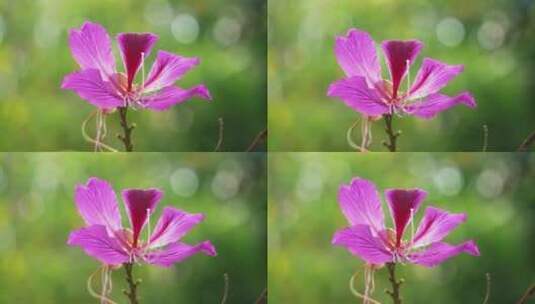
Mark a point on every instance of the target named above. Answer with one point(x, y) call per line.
point(172, 226)
point(356, 94)
point(436, 103)
point(171, 95)
point(440, 252)
point(403, 204)
point(97, 204)
point(432, 76)
point(360, 242)
point(361, 204)
point(436, 225)
point(140, 204)
point(178, 252)
point(96, 242)
point(167, 69)
point(357, 56)
point(90, 86)
point(91, 48)
point(400, 55)
point(135, 47)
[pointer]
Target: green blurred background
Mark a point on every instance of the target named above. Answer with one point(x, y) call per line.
point(495, 190)
point(37, 213)
point(492, 38)
point(228, 36)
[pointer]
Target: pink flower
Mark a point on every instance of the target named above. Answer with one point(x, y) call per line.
point(365, 90)
point(100, 84)
point(105, 239)
point(368, 238)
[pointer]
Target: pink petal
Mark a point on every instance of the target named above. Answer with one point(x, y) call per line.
point(178, 252)
point(403, 206)
point(91, 48)
point(140, 204)
point(440, 252)
point(432, 76)
point(360, 242)
point(356, 94)
point(96, 242)
point(97, 204)
point(361, 205)
point(170, 96)
point(436, 103)
point(357, 56)
point(135, 47)
point(90, 86)
point(167, 69)
point(172, 226)
point(436, 225)
point(399, 56)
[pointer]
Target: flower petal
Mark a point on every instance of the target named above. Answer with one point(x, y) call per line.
point(170, 96)
point(135, 47)
point(167, 69)
point(436, 103)
point(436, 225)
point(361, 204)
point(440, 252)
point(178, 252)
point(172, 226)
point(360, 242)
point(90, 86)
point(97, 204)
point(91, 48)
point(140, 204)
point(357, 56)
point(356, 94)
point(433, 76)
point(96, 242)
point(399, 56)
point(403, 204)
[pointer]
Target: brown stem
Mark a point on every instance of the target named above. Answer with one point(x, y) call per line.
point(262, 299)
point(126, 137)
point(527, 295)
point(392, 136)
point(527, 143)
point(260, 137)
point(394, 293)
point(132, 284)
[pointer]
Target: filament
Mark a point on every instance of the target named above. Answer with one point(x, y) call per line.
point(89, 139)
point(366, 299)
point(148, 226)
point(106, 285)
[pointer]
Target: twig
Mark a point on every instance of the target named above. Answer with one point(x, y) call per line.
point(126, 137)
point(132, 284)
point(392, 136)
point(221, 132)
point(528, 294)
point(394, 293)
point(487, 293)
point(527, 142)
point(485, 138)
point(260, 137)
point(225, 292)
point(262, 299)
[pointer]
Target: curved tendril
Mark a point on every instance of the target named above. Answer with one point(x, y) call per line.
point(357, 294)
point(352, 144)
point(105, 274)
point(89, 139)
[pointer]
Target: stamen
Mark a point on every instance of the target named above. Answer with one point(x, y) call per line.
point(407, 62)
point(412, 226)
point(142, 71)
point(148, 226)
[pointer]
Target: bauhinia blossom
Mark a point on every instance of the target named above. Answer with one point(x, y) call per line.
point(368, 238)
point(366, 91)
point(105, 238)
point(99, 82)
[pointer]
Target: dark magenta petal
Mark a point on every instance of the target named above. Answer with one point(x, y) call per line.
point(170, 96)
point(436, 225)
point(167, 69)
point(439, 252)
point(172, 226)
point(135, 47)
point(140, 204)
point(356, 94)
point(399, 56)
point(432, 77)
point(96, 242)
point(403, 204)
point(178, 252)
point(436, 103)
point(360, 241)
point(90, 86)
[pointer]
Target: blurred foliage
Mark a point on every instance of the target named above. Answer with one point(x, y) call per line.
point(229, 37)
point(492, 38)
point(495, 190)
point(37, 213)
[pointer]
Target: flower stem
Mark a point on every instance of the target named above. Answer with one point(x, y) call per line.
point(132, 284)
point(392, 136)
point(126, 137)
point(394, 293)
